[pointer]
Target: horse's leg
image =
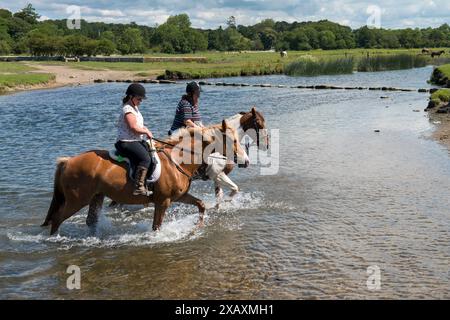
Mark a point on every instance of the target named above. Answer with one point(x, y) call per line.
point(225, 181)
point(113, 204)
point(218, 192)
point(64, 213)
point(190, 199)
point(160, 211)
point(73, 203)
point(94, 208)
point(55, 206)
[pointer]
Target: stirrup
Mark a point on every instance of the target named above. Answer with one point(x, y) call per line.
point(147, 193)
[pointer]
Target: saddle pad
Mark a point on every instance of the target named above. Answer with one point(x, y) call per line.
point(155, 175)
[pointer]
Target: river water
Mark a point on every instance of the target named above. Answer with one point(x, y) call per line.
point(344, 198)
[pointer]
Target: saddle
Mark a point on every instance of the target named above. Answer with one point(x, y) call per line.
point(150, 180)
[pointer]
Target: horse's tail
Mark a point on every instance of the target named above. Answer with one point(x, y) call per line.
point(58, 194)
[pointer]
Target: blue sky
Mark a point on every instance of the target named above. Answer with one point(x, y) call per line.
point(212, 13)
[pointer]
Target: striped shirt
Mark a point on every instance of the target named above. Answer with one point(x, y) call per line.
point(185, 111)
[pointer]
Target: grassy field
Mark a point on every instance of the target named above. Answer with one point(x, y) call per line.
point(445, 69)
point(13, 74)
point(441, 75)
point(223, 64)
point(218, 64)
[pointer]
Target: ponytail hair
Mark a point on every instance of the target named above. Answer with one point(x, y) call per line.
point(126, 99)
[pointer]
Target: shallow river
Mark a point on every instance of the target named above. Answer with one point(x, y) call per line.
point(344, 198)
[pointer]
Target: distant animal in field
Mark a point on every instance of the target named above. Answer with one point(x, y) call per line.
point(283, 54)
point(437, 53)
point(425, 51)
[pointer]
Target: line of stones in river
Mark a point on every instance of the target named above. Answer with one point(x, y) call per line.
point(267, 85)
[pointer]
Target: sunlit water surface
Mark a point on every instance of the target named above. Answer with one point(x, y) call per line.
point(344, 198)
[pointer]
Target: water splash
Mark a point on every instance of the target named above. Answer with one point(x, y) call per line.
point(128, 226)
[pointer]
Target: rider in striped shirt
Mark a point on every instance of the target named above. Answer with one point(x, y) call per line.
point(187, 113)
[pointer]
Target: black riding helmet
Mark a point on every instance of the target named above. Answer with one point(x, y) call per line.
point(193, 86)
point(136, 90)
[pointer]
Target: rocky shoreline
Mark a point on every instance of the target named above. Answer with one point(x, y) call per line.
point(439, 105)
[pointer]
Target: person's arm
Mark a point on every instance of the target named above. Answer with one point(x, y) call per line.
point(189, 123)
point(131, 120)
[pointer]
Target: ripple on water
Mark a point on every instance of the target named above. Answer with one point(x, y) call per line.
point(132, 226)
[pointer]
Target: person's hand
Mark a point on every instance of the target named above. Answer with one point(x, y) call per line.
point(149, 134)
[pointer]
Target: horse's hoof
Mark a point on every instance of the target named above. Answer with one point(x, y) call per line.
point(200, 224)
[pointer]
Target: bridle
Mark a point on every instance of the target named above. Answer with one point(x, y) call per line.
point(257, 130)
point(178, 166)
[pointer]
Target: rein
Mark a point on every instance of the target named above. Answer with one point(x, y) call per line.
point(179, 168)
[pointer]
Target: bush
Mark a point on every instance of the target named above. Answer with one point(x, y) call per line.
point(309, 66)
point(4, 47)
point(391, 62)
point(106, 47)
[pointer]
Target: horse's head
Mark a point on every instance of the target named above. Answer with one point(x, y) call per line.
point(254, 125)
point(225, 139)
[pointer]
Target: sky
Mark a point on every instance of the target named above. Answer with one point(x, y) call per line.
point(213, 13)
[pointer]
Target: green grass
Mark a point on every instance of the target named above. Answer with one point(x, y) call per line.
point(12, 80)
point(226, 64)
point(391, 62)
point(441, 75)
point(223, 64)
point(14, 67)
point(13, 74)
point(445, 70)
point(441, 95)
point(312, 66)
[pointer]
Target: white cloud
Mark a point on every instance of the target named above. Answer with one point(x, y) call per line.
point(212, 13)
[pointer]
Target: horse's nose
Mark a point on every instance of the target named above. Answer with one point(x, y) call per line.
point(244, 165)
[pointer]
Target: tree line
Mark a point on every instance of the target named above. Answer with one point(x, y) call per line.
point(22, 32)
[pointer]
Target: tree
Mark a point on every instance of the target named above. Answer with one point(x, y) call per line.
point(365, 37)
point(43, 45)
point(327, 40)
point(198, 40)
point(108, 35)
point(295, 40)
point(28, 14)
point(105, 47)
point(18, 28)
point(131, 41)
point(231, 22)
point(181, 21)
point(235, 41)
point(5, 14)
point(216, 40)
point(268, 37)
point(313, 37)
point(75, 45)
point(257, 43)
point(5, 48)
point(176, 35)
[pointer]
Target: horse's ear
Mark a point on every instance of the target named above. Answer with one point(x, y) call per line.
point(224, 125)
point(254, 110)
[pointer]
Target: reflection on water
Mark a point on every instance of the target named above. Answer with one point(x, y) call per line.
point(345, 198)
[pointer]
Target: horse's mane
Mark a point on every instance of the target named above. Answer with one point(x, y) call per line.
point(191, 131)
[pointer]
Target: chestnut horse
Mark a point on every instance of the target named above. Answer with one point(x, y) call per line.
point(87, 178)
point(250, 123)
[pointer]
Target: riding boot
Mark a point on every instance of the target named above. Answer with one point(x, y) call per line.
point(139, 187)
